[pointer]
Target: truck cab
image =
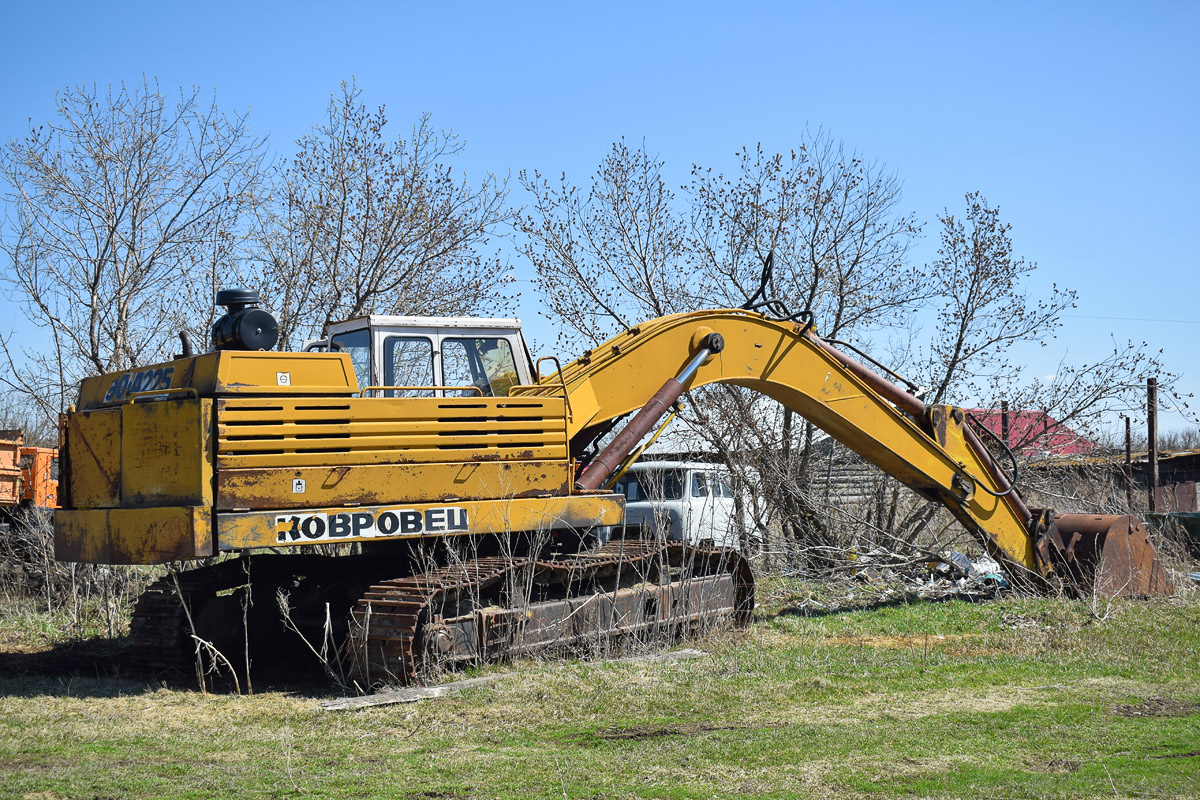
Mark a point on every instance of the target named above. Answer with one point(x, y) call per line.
point(432, 356)
point(691, 502)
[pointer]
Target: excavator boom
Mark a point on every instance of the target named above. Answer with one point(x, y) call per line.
point(931, 449)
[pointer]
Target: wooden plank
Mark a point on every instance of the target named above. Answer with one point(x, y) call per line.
point(407, 695)
point(414, 694)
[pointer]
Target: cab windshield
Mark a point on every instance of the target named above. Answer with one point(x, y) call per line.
point(646, 485)
point(485, 362)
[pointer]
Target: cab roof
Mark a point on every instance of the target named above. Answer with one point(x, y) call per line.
point(388, 320)
point(647, 466)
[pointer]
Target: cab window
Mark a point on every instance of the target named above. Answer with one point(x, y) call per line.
point(358, 345)
point(700, 484)
point(408, 361)
point(484, 361)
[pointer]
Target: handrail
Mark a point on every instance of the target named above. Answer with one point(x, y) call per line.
point(475, 389)
point(561, 380)
point(529, 389)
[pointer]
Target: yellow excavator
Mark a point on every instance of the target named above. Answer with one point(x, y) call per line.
point(427, 490)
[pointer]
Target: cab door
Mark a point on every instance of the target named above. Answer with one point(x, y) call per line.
point(408, 357)
point(712, 502)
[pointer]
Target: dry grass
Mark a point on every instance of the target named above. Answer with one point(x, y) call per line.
point(1016, 698)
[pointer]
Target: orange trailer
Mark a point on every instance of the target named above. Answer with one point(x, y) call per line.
point(10, 468)
point(28, 475)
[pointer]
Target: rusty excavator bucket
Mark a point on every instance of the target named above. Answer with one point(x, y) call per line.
point(1108, 556)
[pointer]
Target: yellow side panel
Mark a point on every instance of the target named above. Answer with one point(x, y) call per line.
point(166, 453)
point(133, 535)
point(284, 373)
point(227, 372)
point(116, 387)
point(94, 442)
point(374, 484)
point(240, 531)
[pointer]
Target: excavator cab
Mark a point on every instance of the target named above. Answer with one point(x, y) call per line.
point(432, 356)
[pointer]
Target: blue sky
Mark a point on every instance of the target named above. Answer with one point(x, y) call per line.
point(1078, 120)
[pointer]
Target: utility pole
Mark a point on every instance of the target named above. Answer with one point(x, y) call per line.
point(1129, 464)
point(1152, 435)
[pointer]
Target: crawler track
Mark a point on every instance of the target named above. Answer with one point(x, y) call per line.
point(490, 609)
point(159, 627)
point(479, 610)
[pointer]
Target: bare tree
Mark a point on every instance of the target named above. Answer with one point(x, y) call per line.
point(631, 250)
point(117, 215)
point(627, 248)
point(367, 224)
point(985, 309)
point(832, 221)
point(1080, 398)
point(611, 257)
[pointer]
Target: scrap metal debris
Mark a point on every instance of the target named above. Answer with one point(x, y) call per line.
point(954, 574)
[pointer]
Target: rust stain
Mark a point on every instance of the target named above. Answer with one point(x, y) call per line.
point(108, 479)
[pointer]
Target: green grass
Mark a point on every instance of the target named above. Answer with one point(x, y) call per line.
point(1016, 698)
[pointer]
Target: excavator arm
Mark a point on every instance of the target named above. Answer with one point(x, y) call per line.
point(930, 449)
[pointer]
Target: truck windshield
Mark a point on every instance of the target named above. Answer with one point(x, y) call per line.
point(646, 485)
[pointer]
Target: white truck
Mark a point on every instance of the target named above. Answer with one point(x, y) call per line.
point(691, 501)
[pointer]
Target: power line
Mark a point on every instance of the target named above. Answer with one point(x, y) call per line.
point(1137, 319)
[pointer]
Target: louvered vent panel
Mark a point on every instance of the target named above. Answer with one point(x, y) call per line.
point(265, 432)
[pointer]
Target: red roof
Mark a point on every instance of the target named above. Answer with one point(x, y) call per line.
point(1034, 433)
